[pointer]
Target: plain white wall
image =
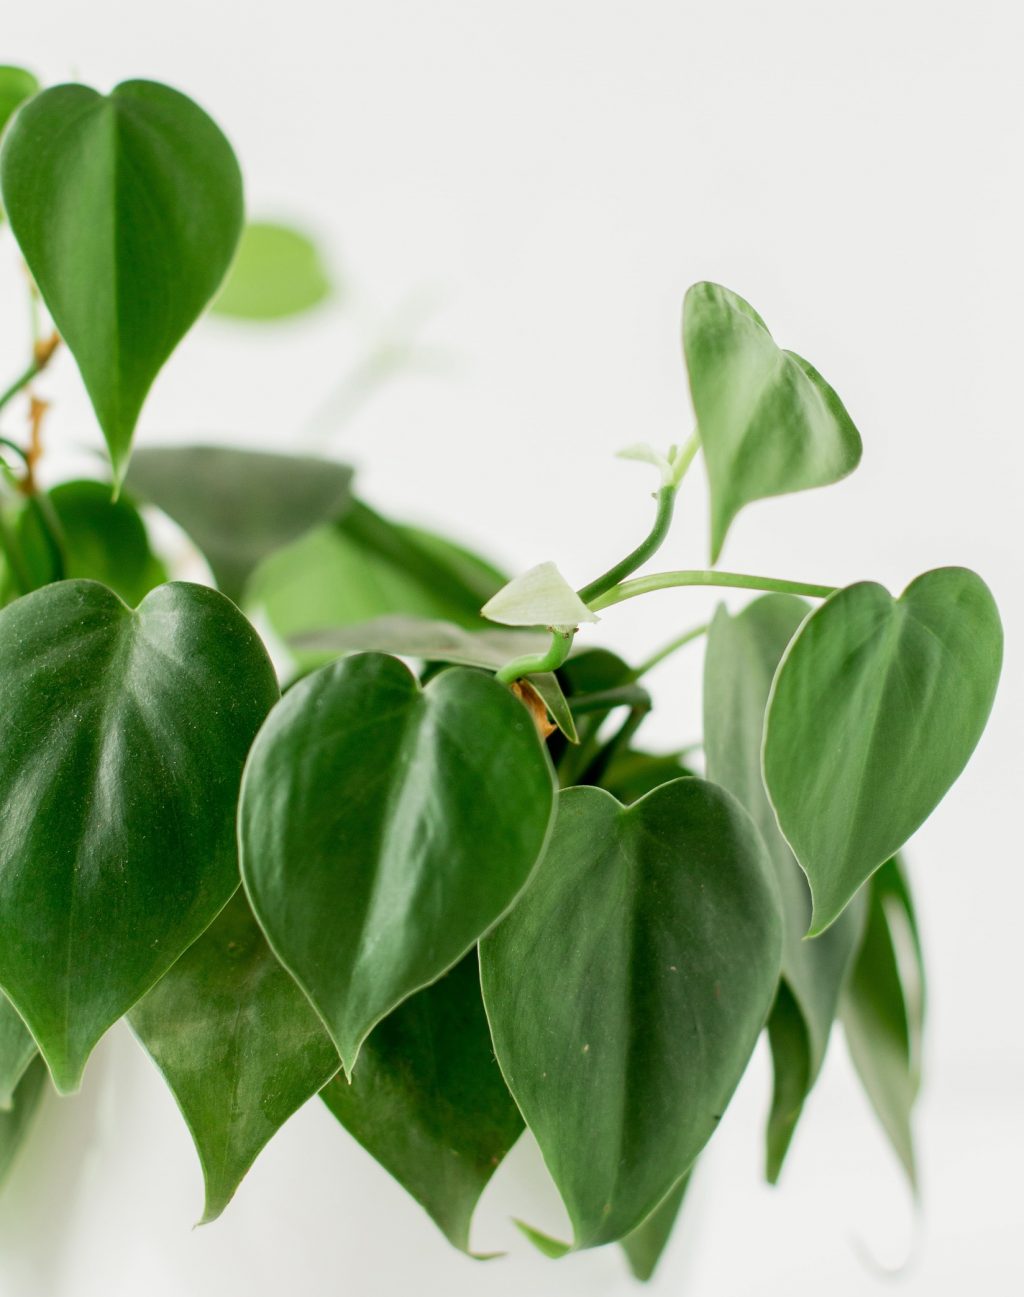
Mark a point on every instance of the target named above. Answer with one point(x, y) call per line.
point(536, 184)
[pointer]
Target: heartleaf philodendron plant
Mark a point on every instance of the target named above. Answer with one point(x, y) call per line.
point(436, 881)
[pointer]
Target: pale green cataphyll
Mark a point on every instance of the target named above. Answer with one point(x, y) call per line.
point(438, 881)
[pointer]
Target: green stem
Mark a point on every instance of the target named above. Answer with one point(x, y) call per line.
point(679, 642)
point(666, 498)
point(534, 664)
point(734, 580)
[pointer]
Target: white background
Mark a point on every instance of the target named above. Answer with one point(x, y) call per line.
point(529, 188)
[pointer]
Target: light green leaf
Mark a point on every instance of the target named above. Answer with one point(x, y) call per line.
point(362, 567)
point(434, 640)
point(239, 505)
point(16, 85)
point(385, 828)
point(16, 1122)
point(278, 272)
point(882, 1010)
point(122, 740)
point(645, 1246)
point(540, 597)
point(127, 208)
point(238, 1044)
point(627, 988)
point(17, 1050)
point(428, 1101)
point(768, 422)
point(874, 712)
point(100, 539)
point(430, 639)
point(743, 653)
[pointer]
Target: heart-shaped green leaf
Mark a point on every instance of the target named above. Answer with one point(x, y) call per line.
point(631, 775)
point(239, 505)
point(16, 1122)
point(768, 422)
point(875, 710)
point(435, 640)
point(237, 1042)
point(646, 1245)
point(17, 1050)
point(127, 208)
point(428, 1100)
point(743, 653)
point(627, 988)
point(277, 273)
point(883, 1007)
point(385, 828)
point(122, 740)
point(99, 538)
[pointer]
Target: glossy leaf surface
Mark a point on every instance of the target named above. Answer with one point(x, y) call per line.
point(428, 1101)
point(277, 272)
point(874, 712)
point(122, 740)
point(743, 653)
point(434, 640)
point(627, 988)
point(127, 208)
point(633, 774)
point(768, 422)
point(17, 1050)
point(100, 539)
point(239, 505)
point(882, 1010)
point(646, 1245)
point(16, 1122)
point(239, 1045)
point(385, 828)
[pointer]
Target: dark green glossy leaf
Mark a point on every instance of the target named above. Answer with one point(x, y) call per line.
point(17, 1050)
point(874, 712)
point(428, 1100)
point(882, 1010)
point(99, 539)
point(127, 208)
point(122, 740)
point(237, 1042)
point(768, 422)
point(277, 273)
point(385, 828)
point(627, 988)
point(645, 1246)
point(16, 85)
point(239, 505)
point(363, 567)
point(743, 653)
point(631, 774)
point(16, 1122)
point(444, 641)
